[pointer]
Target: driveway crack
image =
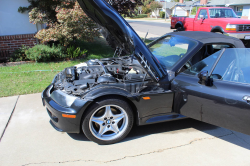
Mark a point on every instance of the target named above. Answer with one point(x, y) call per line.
point(59, 162)
point(142, 154)
point(240, 138)
point(174, 147)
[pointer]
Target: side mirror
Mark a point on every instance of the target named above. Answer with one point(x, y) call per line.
point(204, 79)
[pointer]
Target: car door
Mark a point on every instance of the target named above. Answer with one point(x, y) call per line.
point(201, 22)
point(221, 94)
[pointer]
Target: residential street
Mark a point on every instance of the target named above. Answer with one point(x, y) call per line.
point(152, 27)
point(29, 139)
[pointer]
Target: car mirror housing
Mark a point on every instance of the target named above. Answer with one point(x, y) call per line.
point(205, 79)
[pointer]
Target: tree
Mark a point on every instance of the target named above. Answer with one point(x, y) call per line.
point(71, 24)
point(125, 7)
point(66, 21)
point(146, 9)
point(147, 2)
point(43, 11)
point(154, 5)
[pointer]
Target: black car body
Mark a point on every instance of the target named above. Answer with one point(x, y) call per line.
point(157, 88)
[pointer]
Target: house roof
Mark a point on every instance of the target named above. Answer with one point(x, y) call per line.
point(186, 5)
point(168, 5)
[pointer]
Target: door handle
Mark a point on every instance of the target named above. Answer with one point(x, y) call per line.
point(246, 98)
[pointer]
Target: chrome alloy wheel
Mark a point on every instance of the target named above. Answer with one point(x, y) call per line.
point(108, 122)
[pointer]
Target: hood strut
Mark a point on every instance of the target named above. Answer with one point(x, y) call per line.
point(118, 51)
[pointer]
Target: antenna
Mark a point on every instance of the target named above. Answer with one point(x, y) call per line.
point(145, 36)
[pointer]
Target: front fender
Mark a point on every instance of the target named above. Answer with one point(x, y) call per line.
point(106, 90)
point(115, 91)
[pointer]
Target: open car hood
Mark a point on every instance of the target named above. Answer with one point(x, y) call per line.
point(109, 19)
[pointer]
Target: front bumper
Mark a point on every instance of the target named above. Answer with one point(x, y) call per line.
point(238, 35)
point(59, 103)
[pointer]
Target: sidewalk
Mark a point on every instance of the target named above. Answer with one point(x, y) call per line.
point(150, 36)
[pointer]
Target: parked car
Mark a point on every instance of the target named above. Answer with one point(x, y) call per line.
point(200, 75)
point(215, 19)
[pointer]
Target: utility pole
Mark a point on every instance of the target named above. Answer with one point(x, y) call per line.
point(165, 10)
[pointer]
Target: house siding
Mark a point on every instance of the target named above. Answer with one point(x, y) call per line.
point(169, 12)
point(246, 11)
point(15, 28)
point(10, 43)
point(12, 22)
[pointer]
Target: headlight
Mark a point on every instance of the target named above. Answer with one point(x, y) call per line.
point(230, 27)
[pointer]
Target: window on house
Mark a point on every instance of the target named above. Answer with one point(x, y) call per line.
point(239, 10)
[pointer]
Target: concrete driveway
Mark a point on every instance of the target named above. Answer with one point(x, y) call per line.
point(30, 140)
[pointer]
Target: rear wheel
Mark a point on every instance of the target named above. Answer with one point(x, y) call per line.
point(180, 29)
point(108, 121)
point(219, 32)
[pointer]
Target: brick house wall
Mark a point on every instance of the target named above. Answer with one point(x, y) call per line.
point(12, 42)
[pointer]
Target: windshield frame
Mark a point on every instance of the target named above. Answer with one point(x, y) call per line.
point(178, 64)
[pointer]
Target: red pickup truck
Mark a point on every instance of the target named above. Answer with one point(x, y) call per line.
point(215, 19)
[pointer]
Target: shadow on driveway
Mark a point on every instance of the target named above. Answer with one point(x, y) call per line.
point(176, 127)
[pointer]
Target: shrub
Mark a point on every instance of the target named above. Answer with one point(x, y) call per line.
point(19, 54)
point(140, 16)
point(74, 53)
point(194, 10)
point(44, 53)
point(162, 14)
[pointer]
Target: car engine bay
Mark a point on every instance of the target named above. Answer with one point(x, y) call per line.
point(124, 72)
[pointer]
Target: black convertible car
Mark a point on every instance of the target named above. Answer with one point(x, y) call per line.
point(182, 74)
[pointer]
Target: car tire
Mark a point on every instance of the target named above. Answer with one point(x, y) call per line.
point(180, 29)
point(108, 121)
point(246, 43)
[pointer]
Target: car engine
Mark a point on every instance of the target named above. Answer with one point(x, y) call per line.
point(124, 72)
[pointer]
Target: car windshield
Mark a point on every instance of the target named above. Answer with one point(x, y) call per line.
point(222, 13)
point(171, 49)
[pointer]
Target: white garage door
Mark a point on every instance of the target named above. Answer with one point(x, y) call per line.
point(180, 12)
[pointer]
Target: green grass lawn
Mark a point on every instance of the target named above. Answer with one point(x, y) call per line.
point(35, 77)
